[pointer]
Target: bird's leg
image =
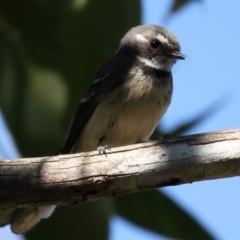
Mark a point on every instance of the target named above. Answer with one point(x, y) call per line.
point(102, 147)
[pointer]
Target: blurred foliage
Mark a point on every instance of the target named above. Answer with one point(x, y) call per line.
point(182, 128)
point(170, 220)
point(49, 51)
point(179, 4)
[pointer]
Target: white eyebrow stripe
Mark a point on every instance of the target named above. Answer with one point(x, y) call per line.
point(141, 38)
point(149, 63)
point(162, 39)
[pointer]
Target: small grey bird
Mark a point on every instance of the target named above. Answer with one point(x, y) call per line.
point(129, 95)
point(123, 105)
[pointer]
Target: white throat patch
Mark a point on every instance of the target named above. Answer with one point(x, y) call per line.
point(154, 63)
point(150, 63)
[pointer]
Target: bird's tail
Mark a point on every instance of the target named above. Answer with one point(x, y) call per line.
point(23, 219)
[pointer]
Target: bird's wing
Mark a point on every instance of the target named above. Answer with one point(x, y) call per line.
point(84, 110)
point(107, 79)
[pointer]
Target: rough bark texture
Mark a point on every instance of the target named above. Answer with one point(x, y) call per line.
point(69, 179)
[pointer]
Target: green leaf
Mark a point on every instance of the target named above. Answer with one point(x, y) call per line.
point(87, 221)
point(55, 48)
point(32, 99)
point(179, 4)
point(190, 124)
point(155, 211)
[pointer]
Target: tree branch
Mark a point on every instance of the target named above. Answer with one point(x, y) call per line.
point(69, 179)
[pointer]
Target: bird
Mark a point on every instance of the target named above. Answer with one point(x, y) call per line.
point(123, 105)
point(129, 94)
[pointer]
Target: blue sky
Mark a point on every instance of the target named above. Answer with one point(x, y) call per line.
point(209, 33)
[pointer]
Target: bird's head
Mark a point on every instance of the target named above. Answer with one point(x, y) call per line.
point(154, 46)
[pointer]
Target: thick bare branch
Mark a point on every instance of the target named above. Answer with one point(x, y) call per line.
point(69, 179)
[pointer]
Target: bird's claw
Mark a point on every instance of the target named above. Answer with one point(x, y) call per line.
point(102, 149)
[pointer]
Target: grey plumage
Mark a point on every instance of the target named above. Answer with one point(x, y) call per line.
point(125, 102)
point(131, 94)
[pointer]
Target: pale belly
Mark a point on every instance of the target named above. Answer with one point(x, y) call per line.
point(124, 126)
point(128, 115)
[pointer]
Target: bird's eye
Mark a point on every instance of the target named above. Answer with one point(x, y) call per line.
point(155, 44)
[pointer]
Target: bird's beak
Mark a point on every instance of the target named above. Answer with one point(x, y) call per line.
point(176, 55)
